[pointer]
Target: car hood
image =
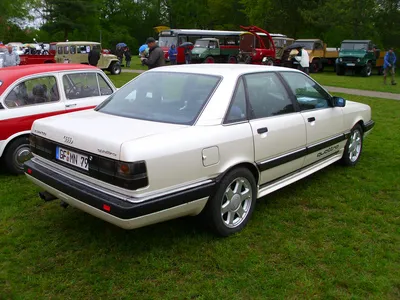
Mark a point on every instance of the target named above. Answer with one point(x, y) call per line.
point(97, 132)
point(352, 53)
point(198, 50)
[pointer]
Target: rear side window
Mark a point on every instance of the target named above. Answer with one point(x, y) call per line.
point(72, 49)
point(105, 89)
point(66, 49)
point(59, 50)
point(34, 91)
point(80, 85)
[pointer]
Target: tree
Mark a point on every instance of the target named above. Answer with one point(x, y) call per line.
point(70, 15)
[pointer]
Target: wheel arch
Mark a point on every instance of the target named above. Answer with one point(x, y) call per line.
point(10, 139)
point(250, 166)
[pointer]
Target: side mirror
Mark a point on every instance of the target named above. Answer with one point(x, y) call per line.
point(339, 102)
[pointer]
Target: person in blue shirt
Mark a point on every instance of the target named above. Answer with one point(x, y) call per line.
point(172, 53)
point(388, 65)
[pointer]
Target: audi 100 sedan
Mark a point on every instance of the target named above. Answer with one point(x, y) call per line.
point(191, 139)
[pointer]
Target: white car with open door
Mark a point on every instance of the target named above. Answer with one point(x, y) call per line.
point(180, 140)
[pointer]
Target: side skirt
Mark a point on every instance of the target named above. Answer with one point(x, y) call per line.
point(279, 183)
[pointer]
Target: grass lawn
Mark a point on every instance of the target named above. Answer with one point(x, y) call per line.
point(372, 83)
point(121, 79)
point(332, 235)
point(136, 64)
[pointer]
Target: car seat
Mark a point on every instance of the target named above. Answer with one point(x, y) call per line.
point(39, 94)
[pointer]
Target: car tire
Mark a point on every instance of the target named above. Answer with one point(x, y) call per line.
point(209, 60)
point(354, 146)
point(315, 66)
point(236, 195)
point(367, 70)
point(232, 60)
point(115, 68)
point(17, 152)
point(340, 70)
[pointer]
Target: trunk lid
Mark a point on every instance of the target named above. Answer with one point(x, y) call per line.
point(97, 132)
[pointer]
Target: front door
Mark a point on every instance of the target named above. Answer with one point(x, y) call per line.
point(324, 123)
point(85, 89)
point(278, 130)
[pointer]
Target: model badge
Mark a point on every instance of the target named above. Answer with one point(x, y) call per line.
point(40, 132)
point(106, 152)
point(68, 140)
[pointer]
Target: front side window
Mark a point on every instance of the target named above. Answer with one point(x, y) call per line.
point(267, 95)
point(39, 90)
point(309, 94)
point(83, 49)
point(237, 111)
point(162, 97)
point(72, 49)
point(80, 85)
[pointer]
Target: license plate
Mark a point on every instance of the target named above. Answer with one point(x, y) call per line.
point(351, 65)
point(72, 158)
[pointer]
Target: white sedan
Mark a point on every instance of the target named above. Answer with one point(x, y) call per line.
point(180, 140)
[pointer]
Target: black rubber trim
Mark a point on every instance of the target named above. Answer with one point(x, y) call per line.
point(118, 208)
point(263, 166)
point(369, 125)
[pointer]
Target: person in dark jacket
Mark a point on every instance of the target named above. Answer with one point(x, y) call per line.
point(94, 57)
point(156, 55)
point(128, 57)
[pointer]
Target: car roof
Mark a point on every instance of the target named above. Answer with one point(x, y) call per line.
point(77, 43)
point(356, 41)
point(10, 74)
point(307, 40)
point(225, 70)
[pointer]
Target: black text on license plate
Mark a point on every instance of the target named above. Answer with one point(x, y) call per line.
point(72, 158)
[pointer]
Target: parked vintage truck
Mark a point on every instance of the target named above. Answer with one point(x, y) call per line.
point(320, 55)
point(256, 46)
point(32, 59)
point(208, 50)
point(281, 43)
point(360, 56)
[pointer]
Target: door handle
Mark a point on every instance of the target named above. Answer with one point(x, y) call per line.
point(312, 119)
point(262, 130)
point(70, 105)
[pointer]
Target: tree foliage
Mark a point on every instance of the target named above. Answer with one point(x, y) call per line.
point(132, 21)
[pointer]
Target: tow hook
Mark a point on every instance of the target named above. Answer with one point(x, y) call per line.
point(46, 196)
point(64, 204)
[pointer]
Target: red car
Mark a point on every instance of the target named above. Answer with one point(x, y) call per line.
point(32, 92)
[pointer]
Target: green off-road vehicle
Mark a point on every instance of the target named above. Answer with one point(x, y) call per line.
point(359, 56)
point(208, 50)
point(77, 53)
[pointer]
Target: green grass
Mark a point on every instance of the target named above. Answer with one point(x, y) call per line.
point(372, 83)
point(332, 235)
point(136, 64)
point(121, 79)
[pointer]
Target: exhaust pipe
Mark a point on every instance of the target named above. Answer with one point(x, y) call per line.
point(64, 204)
point(45, 196)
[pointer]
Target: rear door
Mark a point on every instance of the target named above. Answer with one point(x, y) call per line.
point(85, 89)
point(278, 129)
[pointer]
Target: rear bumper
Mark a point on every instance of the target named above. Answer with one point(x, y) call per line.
point(122, 213)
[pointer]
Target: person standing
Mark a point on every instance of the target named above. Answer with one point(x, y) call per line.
point(94, 57)
point(172, 53)
point(188, 55)
point(388, 65)
point(303, 59)
point(11, 58)
point(156, 55)
point(128, 57)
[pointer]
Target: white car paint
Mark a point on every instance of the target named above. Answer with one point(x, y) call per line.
point(182, 156)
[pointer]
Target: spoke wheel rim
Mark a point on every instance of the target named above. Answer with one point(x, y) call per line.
point(236, 202)
point(355, 146)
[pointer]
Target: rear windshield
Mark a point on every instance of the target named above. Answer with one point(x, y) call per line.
point(162, 97)
point(354, 46)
